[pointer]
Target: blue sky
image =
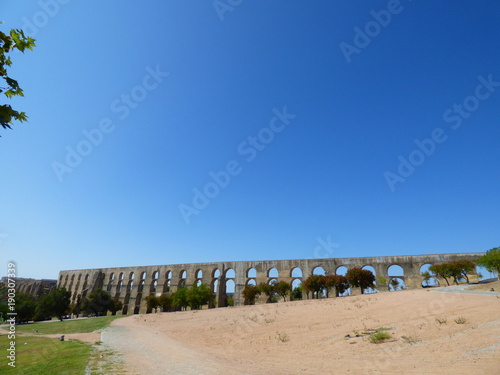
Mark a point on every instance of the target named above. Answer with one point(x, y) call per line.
point(172, 94)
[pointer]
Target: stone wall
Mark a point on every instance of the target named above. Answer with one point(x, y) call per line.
point(132, 284)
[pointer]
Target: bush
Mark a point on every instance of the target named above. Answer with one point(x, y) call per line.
point(379, 336)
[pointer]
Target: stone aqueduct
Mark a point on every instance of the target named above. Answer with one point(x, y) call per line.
point(132, 284)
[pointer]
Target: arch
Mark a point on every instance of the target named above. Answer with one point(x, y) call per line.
point(230, 286)
point(153, 286)
point(215, 273)
point(396, 283)
point(428, 281)
point(155, 275)
point(251, 282)
point(296, 272)
point(79, 277)
point(230, 274)
point(182, 284)
point(166, 286)
point(395, 270)
point(131, 276)
point(130, 285)
point(198, 274)
point(341, 270)
point(111, 276)
point(168, 275)
point(143, 275)
point(272, 281)
point(121, 276)
point(119, 286)
point(369, 268)
point(141, 285)
point(126, 299)
point(183, 274)
point(198, 282)
point(318, 270)
point(87, 276)
point(252, 272)
point(272, 272)
point(296, 283)
point(60, 278)
point(215, 285)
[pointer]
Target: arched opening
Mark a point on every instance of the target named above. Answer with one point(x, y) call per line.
point(395, 270)
point(166, 286)
point(137, 303)
point(396, 283)
point(153, 286)
point(155, 275)
point(230, 274)
point(272, 272)
point(273, 281)
point(120, 277)
point(342, 271)
point(130, 285)
point(183, 274)
point(252, 282)
point(372, 270)
point(199, 274)
point(429, 277)
point(319, 271)
point(143, 275)
point(168, 275)
point(182, 284)
point(230, 285)
point(141, 286)
point(296, 272)
point(131, 276)
point(216, 273)
point(252, 273)
point(296, 292)
point(215, 286)
point(119, 286)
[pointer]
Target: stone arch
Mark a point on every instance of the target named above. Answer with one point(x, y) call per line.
point(198, 274)
point(130, 285)
point(272, 273)
point(131, 276)
point(230, 274)
point(119, 286)
point(251, 273)
point(395, 270)
point(143, 275)
point(296, 283)
point(318, 270)
point(272, 281)
point(215, 285)
point(155, 275)
point(341, 270)
point(431, 281)
point(140, 288)
point(230, 286)
point(396, 283)
point(215, 273)
point(138, 299)
point(370, 268)
point(183, 274)
point(154, 286)
point(166, 286)
point(251, 281)
point(296, 272)
point(168, 275)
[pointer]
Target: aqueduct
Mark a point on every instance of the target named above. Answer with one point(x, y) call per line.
point(132, 284)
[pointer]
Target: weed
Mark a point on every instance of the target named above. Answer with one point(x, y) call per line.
point(410, 339)
point(441, 320)
point(379, 337)
point(460, 320)
point(282, 336)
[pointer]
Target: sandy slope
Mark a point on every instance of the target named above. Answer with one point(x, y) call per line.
point(308, 337)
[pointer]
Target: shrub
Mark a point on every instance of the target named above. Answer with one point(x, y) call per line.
point(379, 336)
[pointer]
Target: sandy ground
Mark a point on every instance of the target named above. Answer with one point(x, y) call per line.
point(309, 337)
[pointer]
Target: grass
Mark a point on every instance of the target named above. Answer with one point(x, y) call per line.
point(66, 326)
point(380, 336)
point(42, 355)
point(441, 320)
point(460, 320)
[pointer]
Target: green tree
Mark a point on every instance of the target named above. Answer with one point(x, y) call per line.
point(56, 303)
point(15, 40)
point(427, 277)
point(152, 302)
point(198, 295)
point(464, 267)
point(296, 293)
point(491, 260)
point(115, 305)
point(25, 307)
point(179, 298)
point(269, 290)
point(98, 303)
point(250, 292)
point(360, 278)
point(283, 288)
point(165, 302)
point(442, 270)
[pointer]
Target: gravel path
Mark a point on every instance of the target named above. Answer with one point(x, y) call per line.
point(162, 355)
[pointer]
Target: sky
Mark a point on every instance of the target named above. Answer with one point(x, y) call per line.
point(206, 131)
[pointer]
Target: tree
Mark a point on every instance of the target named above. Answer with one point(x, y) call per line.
point(15, 40)
point(363, 279)
point(491, 260)
point(296, 293)
point(115, 305)
point(25, 307)
point(250, 292)
point(56, 303)
point(427, 277)
point(394, 283)
point(152, 302)
point(314, 284)
point(269, 290)
point(98, 302)
point(198, 295)
point(442, 270)
point(179, 298)
point(283, 288)
point(465, 267)
point(165, 302)
point(341, 285)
